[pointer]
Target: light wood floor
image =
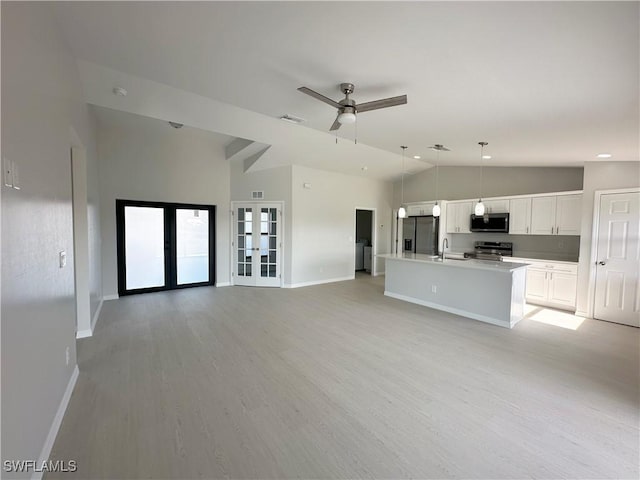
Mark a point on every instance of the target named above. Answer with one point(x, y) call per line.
point(338, 381)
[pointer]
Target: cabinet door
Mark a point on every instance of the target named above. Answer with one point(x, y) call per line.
point(562, 289)
point(520, 216)
point(537, 285)
point(463, 217)
point(452, 213)
point(568, 214)
point(543, 215)
point(497, 206)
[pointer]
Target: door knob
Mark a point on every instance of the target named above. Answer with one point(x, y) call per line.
point(602, 263)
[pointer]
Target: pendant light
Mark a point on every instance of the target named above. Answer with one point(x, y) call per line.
point(436, 207)
point(402, 213)
point(479, 209)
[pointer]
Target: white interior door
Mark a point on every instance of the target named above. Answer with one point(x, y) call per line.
point(617, 295)
point(257, 244)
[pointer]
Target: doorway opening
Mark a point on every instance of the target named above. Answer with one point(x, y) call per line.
point(164, 246)
point(365, 239)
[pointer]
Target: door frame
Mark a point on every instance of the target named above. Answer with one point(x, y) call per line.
point(374, 240)
point(593, 258)
point(232, 226)
point(170, 260)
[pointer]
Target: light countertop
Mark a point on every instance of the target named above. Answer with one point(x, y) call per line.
point(455, 263)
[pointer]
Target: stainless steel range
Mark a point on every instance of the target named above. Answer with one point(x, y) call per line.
point(492, 250)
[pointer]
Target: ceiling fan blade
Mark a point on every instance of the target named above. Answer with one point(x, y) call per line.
point(320, 97)
point(336, 125)
point(376, 104)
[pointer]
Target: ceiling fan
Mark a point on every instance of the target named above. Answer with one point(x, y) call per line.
point(348, 108)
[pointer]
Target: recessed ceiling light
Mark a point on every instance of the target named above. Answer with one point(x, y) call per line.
point(291, 119)
point(486, 157)
point(417, 157)
point(604, 155)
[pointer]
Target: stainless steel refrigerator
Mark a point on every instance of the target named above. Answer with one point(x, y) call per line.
point(420, 235)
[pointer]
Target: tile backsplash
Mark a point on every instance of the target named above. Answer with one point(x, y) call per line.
point(547, 247)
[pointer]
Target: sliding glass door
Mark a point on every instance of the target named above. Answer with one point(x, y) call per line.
point(162, 246)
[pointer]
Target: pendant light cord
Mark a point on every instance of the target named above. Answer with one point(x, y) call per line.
point(404, 148)
point(437, 164)
point(482, 145)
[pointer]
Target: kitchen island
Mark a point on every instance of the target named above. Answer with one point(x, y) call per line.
point(485, 290)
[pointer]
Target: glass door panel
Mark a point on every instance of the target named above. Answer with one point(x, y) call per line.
point(192, 246)
point(163, 246)
point(144, 247)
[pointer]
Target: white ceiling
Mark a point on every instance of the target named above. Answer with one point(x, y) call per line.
point(545, 83)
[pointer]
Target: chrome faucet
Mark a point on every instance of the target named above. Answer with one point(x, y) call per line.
point(445, 244)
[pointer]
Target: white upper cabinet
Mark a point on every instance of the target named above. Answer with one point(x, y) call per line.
point(543, 215)
point(419, 209)
point(496, 206)
point(520, 216)
point(459, 217)
point(556, 215)
point(568, 214)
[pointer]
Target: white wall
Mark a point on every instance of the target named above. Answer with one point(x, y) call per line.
point(145, 159)
point(598, 176)
point(41, 101)
point(323, 222)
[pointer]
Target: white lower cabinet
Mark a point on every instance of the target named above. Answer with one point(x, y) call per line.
point(552, 284)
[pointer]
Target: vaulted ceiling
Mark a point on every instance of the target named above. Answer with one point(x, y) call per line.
point(545, 83)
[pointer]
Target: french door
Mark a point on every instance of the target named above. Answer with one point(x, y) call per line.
point(163, 246)
point(617, 293)
point(257, 244)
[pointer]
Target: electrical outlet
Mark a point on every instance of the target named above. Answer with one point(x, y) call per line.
point(67, 355)
point(434, 289)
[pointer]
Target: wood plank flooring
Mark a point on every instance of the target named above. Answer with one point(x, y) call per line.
point(338, 381)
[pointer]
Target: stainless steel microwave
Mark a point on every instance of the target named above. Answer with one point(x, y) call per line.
point(492, 222)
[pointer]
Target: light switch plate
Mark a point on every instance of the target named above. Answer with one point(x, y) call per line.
point(63, 258)
point(7, 172)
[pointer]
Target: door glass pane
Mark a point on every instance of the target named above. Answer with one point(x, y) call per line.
point(192, 246)
point(268, 241)
point(144, 247)
point(244, 244)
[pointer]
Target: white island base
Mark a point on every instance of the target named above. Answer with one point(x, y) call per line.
point(492, 292)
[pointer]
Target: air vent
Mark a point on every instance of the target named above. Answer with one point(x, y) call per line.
point(257, 195)
point(291, 119)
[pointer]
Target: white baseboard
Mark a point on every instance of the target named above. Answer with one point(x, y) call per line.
point(57, 421)
point(456, 311)
point(84, 333)
point(96, 315)
point(318, 282)
point(89, 331)
point(223, 284)
point(582, 314)
point(111, 297)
